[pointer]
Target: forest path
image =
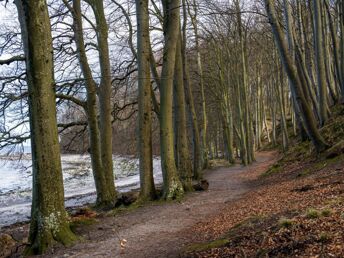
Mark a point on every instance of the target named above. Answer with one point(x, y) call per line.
point(158, 230)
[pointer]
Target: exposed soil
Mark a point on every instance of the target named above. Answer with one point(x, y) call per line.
point(163, 229)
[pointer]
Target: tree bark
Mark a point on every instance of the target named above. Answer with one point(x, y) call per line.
point(203, 100)
point(49, 220)
point(172, 185)
point(147, 189)
point(320, 61)
point(105, 94)
point(306, 112)
point(190, 102)
point(104, 196)
point(184, 160)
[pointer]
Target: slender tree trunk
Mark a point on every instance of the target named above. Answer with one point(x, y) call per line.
point(203, 100)
point(49, 220)
point(280, 96)
point(241, 133)
point(184, 160)
point(147, 189)
point(190, 101)
point(319, 53)
point(341, 28)
point(334, 39)
point(172, 185)
point(104, 196)
point(259, 111)
point(105, 94)
point(244, 89)
point(308, 117)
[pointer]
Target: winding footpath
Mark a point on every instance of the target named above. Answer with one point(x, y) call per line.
point(157, 230)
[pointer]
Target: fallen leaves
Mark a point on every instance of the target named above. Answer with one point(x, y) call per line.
point(287, 216)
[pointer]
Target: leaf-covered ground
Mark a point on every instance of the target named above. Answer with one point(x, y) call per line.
point(296, 209)
point(294, 217)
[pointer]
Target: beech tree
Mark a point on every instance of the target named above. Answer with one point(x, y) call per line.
point(309, 121)
point(145, 102)
point(172, 185)
point(49, 220)
point(99, 134)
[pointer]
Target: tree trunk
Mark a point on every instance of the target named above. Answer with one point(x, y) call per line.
point(184, 160)
point(334, 39)
point(105, 94)
point(320, 61)
point(190, 101)
point(306, 112)
point(244, 89)
point(200, 71)
point(172, 185)
point(104, 196)
point(145, 106)
point(49, 220)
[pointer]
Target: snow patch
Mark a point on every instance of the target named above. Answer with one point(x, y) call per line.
point(16, 182)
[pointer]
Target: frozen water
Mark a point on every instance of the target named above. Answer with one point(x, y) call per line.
point(16, 182)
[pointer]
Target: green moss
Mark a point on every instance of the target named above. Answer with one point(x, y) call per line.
point(82, 222)
point(286, 223)
point(305, 172)
point(275, 169)
point(312, 214)
point(324, 237)
point(335, 201)
point(319, 165)
point(313, 168)
point(175, 190)
point(47, 238)
point(254, 219)
point(199, 247)
point(326, 212)
point(66, 236)
point(124, 209)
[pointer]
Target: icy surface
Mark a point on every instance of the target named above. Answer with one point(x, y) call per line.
point(16, 183)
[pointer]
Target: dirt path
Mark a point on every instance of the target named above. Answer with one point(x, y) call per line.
point(157, 230)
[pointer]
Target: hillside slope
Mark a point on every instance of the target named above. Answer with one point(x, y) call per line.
point(296, 211)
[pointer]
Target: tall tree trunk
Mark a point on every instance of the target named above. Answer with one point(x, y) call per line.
point(105, 94)
point(184, 160)
point(306, 112)
point(104, 196)
point(190, 102)
point(49, 220)
point(334, 39)
point(279, 84)
point(145, 106)
point(203, 100)
point(172, 185)
point(242, 132)
point(292, 51)
point(320, 61)
point(341, 29)
point(244, 88)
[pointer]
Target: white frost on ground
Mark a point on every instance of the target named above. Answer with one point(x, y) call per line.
point(16, 183)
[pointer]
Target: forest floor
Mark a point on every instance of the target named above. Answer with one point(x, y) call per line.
point(289, 205)
point(281, 206)
point(160, 229)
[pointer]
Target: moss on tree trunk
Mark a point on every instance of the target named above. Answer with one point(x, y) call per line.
point(145, 103)
point(49, 221)
point(172, 185)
